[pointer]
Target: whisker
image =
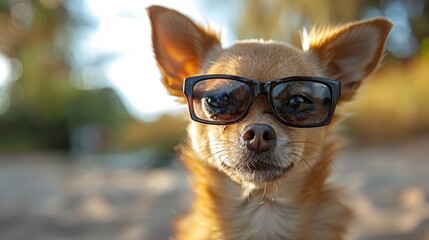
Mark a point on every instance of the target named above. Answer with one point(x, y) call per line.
point(319, 150)
point(305, 154)
point(303, 141)
point(265, 191)
point(303, 160)
point(202, 161)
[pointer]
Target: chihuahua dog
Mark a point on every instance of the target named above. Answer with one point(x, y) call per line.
point(262, 140)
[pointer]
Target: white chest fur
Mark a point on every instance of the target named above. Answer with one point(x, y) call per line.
point(265, 219)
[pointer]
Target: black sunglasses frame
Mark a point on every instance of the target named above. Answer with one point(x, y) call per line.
point(257, 88)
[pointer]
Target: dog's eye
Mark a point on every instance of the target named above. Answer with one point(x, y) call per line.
point(221, 107)
point(219, 101)
point(299, 104)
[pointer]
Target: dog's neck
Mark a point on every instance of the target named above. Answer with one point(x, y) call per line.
point(290, 208)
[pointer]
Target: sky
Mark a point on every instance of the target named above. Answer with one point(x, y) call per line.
point(123, 28)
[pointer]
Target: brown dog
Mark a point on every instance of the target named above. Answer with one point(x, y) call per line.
point(260, 144)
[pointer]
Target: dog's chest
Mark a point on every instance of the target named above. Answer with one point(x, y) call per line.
point(267, 219)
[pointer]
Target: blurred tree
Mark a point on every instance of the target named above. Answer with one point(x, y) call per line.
point(44, 108)
point(284, 19)
point(411, 23)
point(165, 133)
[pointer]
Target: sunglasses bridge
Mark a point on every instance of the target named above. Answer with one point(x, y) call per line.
point(260, 88)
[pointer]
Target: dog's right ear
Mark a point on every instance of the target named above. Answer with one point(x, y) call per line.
point(180, 46)
point(351, 52)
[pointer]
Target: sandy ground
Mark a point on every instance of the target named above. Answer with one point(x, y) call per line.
point(44, 196)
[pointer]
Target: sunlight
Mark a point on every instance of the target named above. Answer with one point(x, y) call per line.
point(305, 41)
point(5, 75)
point(5, 70)
point(124, 30)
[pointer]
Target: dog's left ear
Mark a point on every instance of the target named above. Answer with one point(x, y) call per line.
point(351, 52)
point(180, 46)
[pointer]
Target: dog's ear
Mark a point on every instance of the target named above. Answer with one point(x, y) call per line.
point(180, 46)
point(351, 52)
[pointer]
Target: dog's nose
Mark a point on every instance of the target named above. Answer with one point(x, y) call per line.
point(258, 137)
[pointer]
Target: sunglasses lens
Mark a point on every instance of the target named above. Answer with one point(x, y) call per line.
point(302, 102)
point(220, 100)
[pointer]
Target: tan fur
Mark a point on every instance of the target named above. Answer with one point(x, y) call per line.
point(297, 203)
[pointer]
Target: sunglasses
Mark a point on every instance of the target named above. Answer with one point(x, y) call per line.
point(298, 101)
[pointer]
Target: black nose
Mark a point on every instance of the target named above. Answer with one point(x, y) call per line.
point(258, 137)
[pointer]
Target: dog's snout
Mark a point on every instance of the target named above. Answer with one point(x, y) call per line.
point(258, 137)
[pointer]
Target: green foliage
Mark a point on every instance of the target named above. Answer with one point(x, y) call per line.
point(392, 104)
point(45, 109)
point(166, 133)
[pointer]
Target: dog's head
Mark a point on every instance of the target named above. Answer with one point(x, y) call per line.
point(248, 126)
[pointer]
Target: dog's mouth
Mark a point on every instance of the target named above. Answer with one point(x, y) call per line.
point(257, 171)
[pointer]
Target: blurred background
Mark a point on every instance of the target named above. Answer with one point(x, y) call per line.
point(87, 132)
